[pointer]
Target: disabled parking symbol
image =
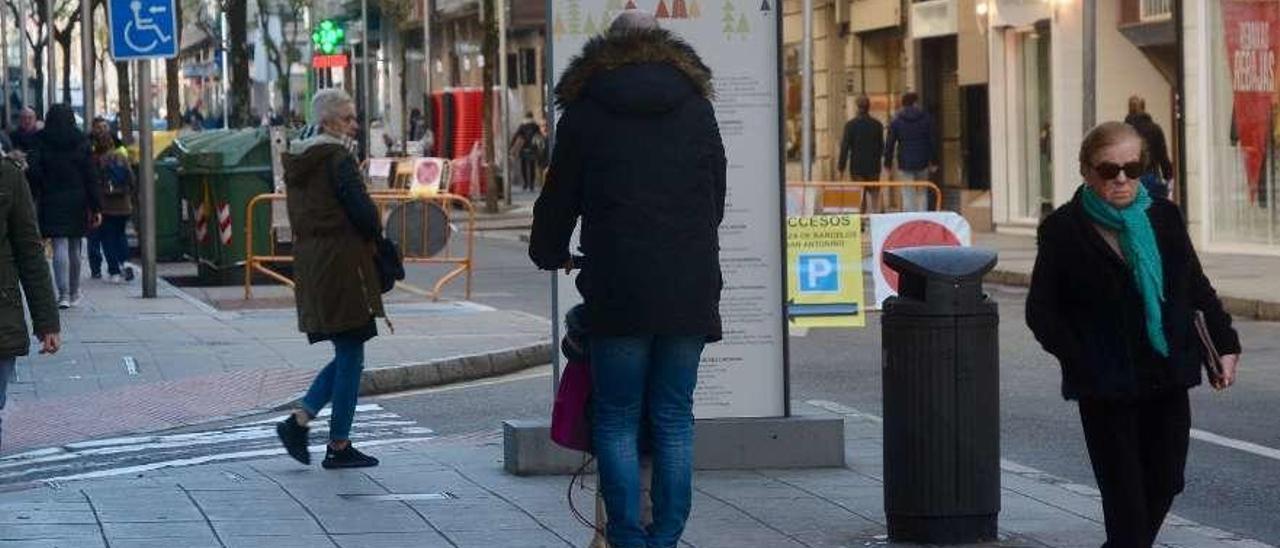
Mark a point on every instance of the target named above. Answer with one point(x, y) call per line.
point(143, 29)
point(819, 272)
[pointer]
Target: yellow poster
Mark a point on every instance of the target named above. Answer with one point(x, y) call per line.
point(824, 271)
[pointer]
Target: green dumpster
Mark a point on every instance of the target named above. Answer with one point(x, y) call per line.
point(169, 244)
point(219, 173)
point(186, 189)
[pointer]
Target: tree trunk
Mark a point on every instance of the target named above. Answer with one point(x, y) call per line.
point(173, 96)
point(126, 100)
point(65, 46)
point(237, 22)
point(37, 59)
point(490, 110)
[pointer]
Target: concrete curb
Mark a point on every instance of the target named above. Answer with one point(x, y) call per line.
point(453, 369)
point(1253, 309)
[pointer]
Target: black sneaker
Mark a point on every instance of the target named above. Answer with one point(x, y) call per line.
point(96, 275)
point(347, 457)
point(128, 273)
point(294, 439)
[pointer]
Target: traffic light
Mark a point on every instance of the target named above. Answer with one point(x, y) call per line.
point(328, 37)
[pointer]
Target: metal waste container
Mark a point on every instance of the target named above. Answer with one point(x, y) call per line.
point(219, 175)
point(941, 395)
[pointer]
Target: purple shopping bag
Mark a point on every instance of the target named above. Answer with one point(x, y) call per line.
point(570, 425)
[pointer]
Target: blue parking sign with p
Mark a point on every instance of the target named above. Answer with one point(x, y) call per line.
point(819, 272)
point(143, 29)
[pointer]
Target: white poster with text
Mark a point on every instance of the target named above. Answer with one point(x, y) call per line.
point(743, 375)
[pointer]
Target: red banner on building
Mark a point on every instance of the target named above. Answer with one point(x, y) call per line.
point(1251, 27)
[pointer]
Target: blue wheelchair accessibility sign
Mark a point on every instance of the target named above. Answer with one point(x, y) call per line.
point(143, 29)
point(819, 272)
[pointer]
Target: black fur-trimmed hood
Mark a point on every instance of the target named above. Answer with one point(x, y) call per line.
point(604, 54)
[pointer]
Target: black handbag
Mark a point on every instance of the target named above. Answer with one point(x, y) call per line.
point(390, 264)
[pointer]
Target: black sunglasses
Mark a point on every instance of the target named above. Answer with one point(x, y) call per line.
point(1108, 170)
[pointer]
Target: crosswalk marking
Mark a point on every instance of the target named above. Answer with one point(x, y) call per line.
point(373, 426)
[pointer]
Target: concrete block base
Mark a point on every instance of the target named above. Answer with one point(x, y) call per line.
point(719, 444)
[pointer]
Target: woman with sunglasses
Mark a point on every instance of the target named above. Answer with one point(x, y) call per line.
point(1113, 296)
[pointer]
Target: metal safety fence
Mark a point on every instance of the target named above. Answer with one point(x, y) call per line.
point(425, 229)
point(819, 197)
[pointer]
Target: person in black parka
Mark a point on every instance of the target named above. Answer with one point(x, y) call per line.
point(638, 156)
point(68, 199)
point(1113, 297)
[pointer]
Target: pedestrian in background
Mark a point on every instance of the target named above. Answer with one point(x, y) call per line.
point(650, 210)
point(24, 136)
point(1159, 169)
point(23, 267)
point(417, 124)
point(528, 144)
point(69, 200)
point(1113, 295)
point(861, 149)
point(116, 183)
point(912, 145)
point(335, 226)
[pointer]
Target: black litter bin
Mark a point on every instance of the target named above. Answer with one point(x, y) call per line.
point(941, 398)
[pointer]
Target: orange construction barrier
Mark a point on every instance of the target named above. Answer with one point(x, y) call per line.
point(422, 244)
point(844, 197)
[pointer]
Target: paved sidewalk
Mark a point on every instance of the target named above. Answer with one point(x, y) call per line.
point(1246, 283)
point(453, 492)
point(131, 364)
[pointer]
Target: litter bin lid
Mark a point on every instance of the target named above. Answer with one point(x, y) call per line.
point(942, 262)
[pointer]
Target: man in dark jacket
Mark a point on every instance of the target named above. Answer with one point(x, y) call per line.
point(911, 144)
point(24, 136)
point(638, 156)
point(526, 144)
point(1159, 168)
point(861, 149)
point(24, 268)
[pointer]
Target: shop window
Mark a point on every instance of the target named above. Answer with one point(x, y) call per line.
point(1243, 162)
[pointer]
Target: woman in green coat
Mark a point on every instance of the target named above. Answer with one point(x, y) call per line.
point(337, 287)
point(23, 271)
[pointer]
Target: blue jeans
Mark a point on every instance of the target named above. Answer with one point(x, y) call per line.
point(649, 377)
point(6, 373)
point(109, 240)
point(339, 383)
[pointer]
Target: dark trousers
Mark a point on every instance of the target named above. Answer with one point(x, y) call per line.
point(870, 195)
point(529, 172)
point(109, 240)
point(1138, 449)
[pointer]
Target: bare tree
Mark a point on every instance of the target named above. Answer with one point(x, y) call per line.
point(283, 55)
point(36, 42)
point(68, 10)
point(237, 34)
point(173, 98)
point(490, 47)
point(125, 90)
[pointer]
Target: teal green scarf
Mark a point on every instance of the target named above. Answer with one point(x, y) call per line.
point(1138, 243)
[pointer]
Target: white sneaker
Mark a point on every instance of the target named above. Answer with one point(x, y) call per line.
point(115, 279)
point(64, 304)
point(75, 300)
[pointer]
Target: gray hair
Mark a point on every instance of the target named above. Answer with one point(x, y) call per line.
point(327, 105)
point(632, 21)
